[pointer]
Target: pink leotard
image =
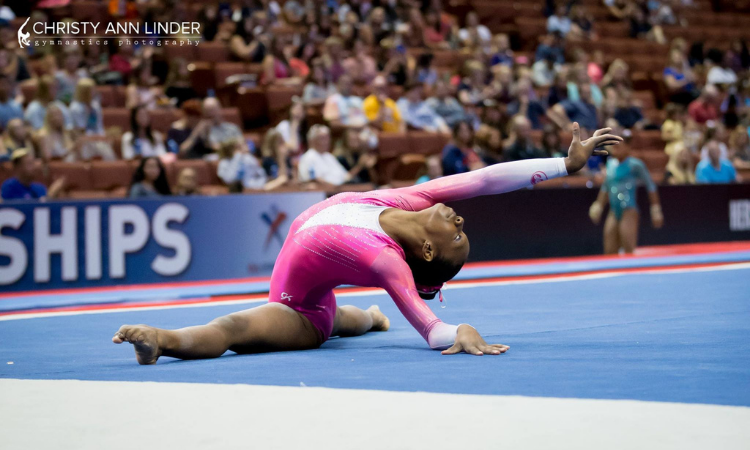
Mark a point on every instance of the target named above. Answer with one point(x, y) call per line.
point(339, 241)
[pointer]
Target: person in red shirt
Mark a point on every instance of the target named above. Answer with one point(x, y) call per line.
point(704, 108)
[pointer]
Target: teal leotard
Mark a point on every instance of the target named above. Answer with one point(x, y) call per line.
point(622, 182)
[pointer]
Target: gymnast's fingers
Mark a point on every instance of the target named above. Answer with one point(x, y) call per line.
point(601, 131)
point(488, 349)
point(600, 153)
point(455, 348)
point(500, 347)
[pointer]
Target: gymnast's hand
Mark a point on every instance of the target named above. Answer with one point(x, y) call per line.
point(579, 152)
point(468, 340)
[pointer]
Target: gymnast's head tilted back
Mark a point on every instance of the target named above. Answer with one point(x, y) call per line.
point(444, 249)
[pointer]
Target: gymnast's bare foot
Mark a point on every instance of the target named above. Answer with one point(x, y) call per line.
point(379, 321)
point(144, 339)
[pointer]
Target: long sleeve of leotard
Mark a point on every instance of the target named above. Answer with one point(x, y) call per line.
point(394, 273)
point(495, 179)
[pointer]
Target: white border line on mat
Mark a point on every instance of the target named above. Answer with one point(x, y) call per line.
point(462, 285)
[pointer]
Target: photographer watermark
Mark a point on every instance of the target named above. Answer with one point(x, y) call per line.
point(156, 34)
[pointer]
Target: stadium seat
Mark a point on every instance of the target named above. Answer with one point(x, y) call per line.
point(647, 140)
point(186, 52)
point(279, 100)
point(109, 175)
point(409, 166)
point(391, 145)
point(215, 52)
point(205, 175)
point(28, 90)
point(223, 70)
point(426, 143)
point(232, 115)
point(77, 175)
point(162, 118)
point(202, 77)
point(107, 96)
point(116, 117)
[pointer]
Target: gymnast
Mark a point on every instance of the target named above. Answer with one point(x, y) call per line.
point(405, 241)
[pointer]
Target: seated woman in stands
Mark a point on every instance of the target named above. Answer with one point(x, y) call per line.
point(142, 141)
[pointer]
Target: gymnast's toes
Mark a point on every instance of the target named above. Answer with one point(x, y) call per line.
point(379, 320)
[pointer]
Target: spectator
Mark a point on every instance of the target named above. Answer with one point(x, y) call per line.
point(445, 105)
point(582, 111)
point(544, 71)
point(460, 155)
point(393, 62)
point(679, 79)
point(217, 130)
point(718, 73)
point(318, 87)
point(474, 35)
point(301, 61)
point(276, 161)
point(70, 75)
point(276, 69)
point(619, 9)
point(333, 58)
point(414, 30)
point(436, 32)
point(501, 52)
point(294, 129)
point(738, 56)
point(318, 164)
point(628, 111)
point(45, 97)
point(149, 180)
point(249, 43)
point(739, 143)
point(705, 107)
point(424, 73)
point(432, 170)
point(376, 28)
point(352, 152)
point(551, 45)
point(714, 132)
point(238, 168)
point(9, 107)
point(680, 168)
point(142, 90)
point(16, 137)
point(22, 186)
point(617, 76)
point(715, 169)
point(55, 140)
point(473, 88)
point(187, 182)
point(417, 113)
point(381, 111)
point(178, 86)
point(343, 109)
point(693, 136)
point(582, 23)
point(671, 129)
point(593, 69)
point(559, 22)
point(182, 128)
point(552, 145)
point(12, 65)
point(520, 145)
point(527, 107)
point(559, 89)
point(86, 110)
point(579, 76)
point(360, 66)
point(141, 141)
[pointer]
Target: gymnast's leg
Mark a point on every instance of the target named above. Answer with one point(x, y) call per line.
point(352, 321)
point(267, 328)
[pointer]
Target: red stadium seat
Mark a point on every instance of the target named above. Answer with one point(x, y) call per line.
point(223, 70)
point(109, 175)
point(232, 115)
point(117, 117)
point(205, 175)
point(107, 96)
point(77, 175)
point(162, 118)
point(215, 52)
point(426, 143)
point(279, 100)
point(391, 145)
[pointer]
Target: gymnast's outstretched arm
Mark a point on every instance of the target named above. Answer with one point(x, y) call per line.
point(506, 177)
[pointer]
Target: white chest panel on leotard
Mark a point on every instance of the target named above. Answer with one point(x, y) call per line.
point(358, 215)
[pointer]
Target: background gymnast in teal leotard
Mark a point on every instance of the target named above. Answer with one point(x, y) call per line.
point(624, 174)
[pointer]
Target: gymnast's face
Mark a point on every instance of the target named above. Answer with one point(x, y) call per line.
point(445, 235)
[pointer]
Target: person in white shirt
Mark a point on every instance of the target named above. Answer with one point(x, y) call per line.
point(319, 164)
point(239, 169)
point(343, 108)
point(475, 34)
point(142, 141)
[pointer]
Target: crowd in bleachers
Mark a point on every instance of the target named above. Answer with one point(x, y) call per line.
point(353, 94)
